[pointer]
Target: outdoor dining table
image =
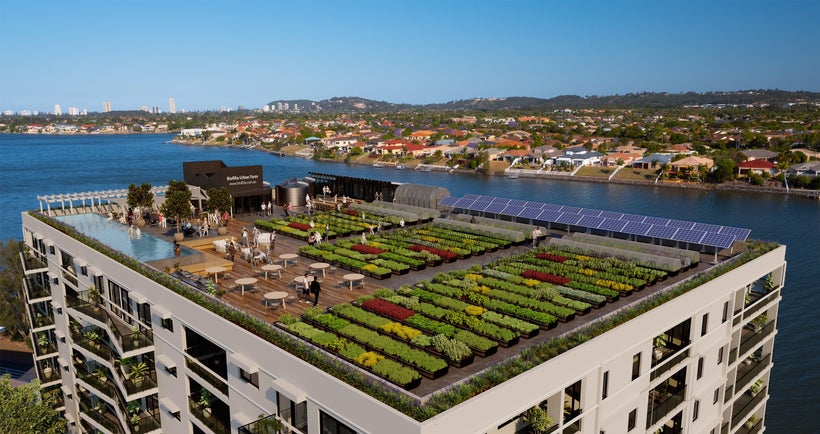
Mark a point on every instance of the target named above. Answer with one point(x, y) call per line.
point(273, 268)
point(352, 277)
point(320, 266)
point(298, 283)
point(274, 296)
point(245, 281)
point(215, 271)
point(285, 257)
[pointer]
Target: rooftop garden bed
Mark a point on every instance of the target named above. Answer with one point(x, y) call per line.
point(527, 359)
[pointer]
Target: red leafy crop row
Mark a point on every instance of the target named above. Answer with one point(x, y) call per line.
point(351, 212)
point(300, 226)
point(367, 250)
point(443, 254)
point(388, 309)
point(545, 277)
point(551, 257)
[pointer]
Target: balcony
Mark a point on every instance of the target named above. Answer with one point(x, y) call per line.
point(40, 317)
point(661, 403)
point(32, 263)
point(45, 346)
point(139, 385)
point(81, 304)
point(746, 404)
point(46, 372)
point(760, 303)
point(727, 395)
point(206, 375)
point(129, 337)
point(751, 428)
point(266, 425)
point(751, 341)
point(100, 382)
point(747, 373)
point(37, 287)
point(667, 362)
point(53, 394)
point(205, 416)
point(147, 423)
point(69, 276)
point(96, 347)
point(102, 415)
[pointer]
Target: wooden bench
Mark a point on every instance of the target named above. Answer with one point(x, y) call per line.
point(199, 268)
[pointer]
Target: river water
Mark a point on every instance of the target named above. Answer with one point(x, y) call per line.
point(41, 165)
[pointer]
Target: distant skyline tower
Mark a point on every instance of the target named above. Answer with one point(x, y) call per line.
point(172, 105)
point(106, 106)
point(57, 110)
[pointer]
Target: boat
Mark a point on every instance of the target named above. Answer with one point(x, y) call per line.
point(378, 165)
point(399, 167)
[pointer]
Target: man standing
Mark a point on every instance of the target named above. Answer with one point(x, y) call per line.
point(315, 288)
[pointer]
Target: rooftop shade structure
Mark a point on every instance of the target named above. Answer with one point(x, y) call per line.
point(683, 231)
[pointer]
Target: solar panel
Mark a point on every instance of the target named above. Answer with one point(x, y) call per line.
point(517, 202)
point(471, 196)
point(612, 225)
point(689, 236)
point(568, 218)
point(680, 224)
point(495, 208)
point(706, 227)
point(530, 213)
point(571, 209)
point(632, 217)
point(590, 212)
point(514, 210)
point(551, 207)
point(635, 228)
point(500, 200)
point(738, 233)
point(717, 240)
point(464, 203)
point(448, 201)
point(661, 232)
point(538, 205)
point(548, 215)
point(480, 205)
point(611, 215)
point(590, 221)
point(656, 221)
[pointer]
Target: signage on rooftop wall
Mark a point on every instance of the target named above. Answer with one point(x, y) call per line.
point(242, 179)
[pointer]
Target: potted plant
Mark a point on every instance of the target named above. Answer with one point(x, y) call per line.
point(140, 197)
point(138, 372)
point(134, 410)
point(42, 341)
point(266, 425)
point(205, 400)
point(177, 204)
point(99, 372)
point(219, 200)
point(94, 296)
point(538, 418)
point(660, 344)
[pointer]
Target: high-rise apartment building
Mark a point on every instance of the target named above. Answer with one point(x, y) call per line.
point(106, 106)
point(172, 106)
point(58, 110)
point(126, 346)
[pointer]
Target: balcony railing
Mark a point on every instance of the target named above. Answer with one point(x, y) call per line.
point(40, 317)
point(102, 416)
point(727, 396)
point(742, 414)
point(70, 277)
point(752, 372)
point(104, 385)
point(732, 355)
point(755, 339)
point(664, 407)
point(47, 373)
point(206, 375)
point(759, 304)
point(37, 289)
point(265, 425)
point(754, 429)
point(81, 304)
point(141, 384)
point(670, 363)
point(147, 423)
point(31, 261)
point(206, 417)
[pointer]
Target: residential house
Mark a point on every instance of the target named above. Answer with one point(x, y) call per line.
point(652, 161)
point(580, 156)
point(691, 166)
point(809, 168)
point(760, 154)
point(758, 167)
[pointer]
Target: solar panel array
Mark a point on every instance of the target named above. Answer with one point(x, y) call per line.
point(631, 224)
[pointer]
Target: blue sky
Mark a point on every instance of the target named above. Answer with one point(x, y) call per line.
point(208, 54)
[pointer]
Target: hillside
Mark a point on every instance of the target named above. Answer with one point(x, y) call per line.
point(630, 100)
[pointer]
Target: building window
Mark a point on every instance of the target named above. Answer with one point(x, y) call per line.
point(84, 270)
point(51, 250)
point(717, 396)
point(636, 366)
point(720, 355)
point(725, 316)
point(252, 378)
point(605, 389)
point(704, 326)
point(168, 323)
point(700, 367)
point(632, 421)
point(695, 410)
point(329, 425)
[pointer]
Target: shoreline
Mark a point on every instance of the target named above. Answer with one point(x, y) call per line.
point(730, 187)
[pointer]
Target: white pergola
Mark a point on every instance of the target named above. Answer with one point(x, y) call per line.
point(92, 196)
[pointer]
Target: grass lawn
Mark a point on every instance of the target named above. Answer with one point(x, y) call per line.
point(637, 174)
point(599, 172)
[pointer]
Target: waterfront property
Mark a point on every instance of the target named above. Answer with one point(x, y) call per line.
point(127, 345)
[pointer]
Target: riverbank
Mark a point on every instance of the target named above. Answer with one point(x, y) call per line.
point(734, 186)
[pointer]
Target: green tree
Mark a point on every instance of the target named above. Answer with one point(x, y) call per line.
point(140, 196)
point(724, 170)
point(177, 202)
point(12, 302)
point(22, 410)
point(219, 199)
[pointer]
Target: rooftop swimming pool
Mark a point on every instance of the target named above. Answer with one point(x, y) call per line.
point(146, 248)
